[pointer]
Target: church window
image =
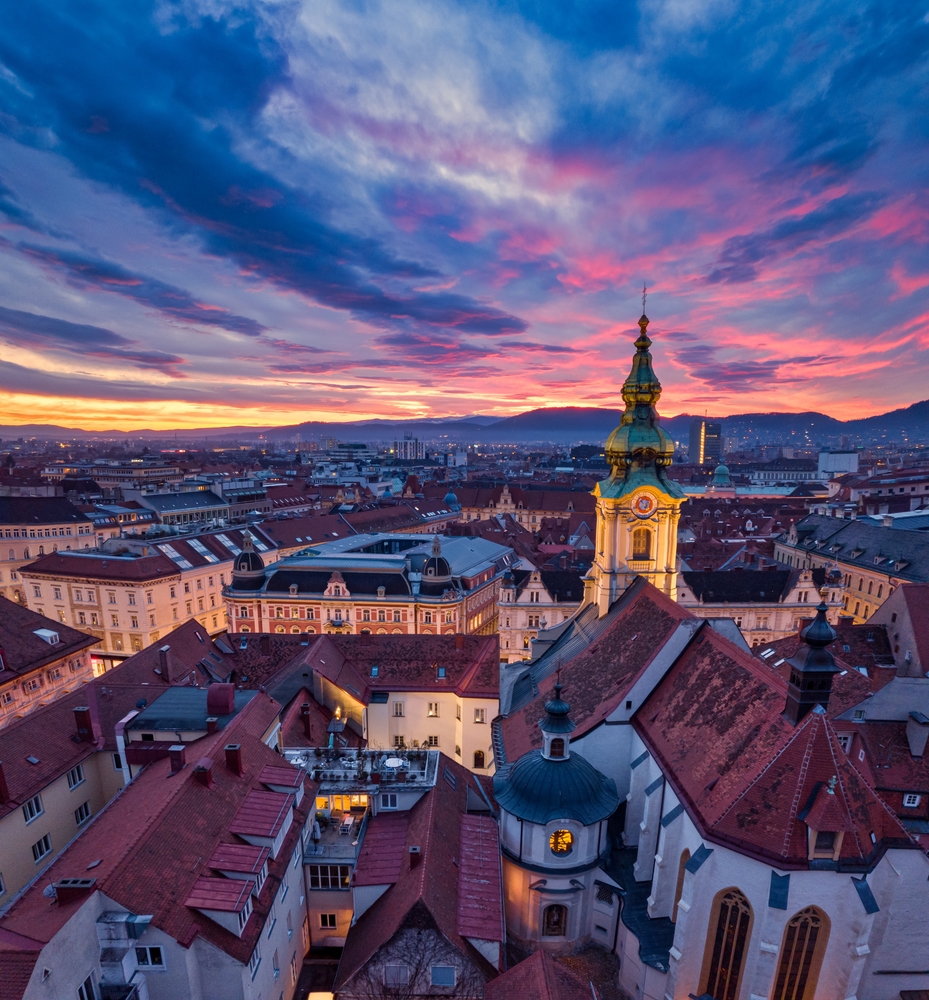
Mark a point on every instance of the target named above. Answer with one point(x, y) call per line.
point(478, 759)
point(641, 543)
point(727, 945)
point(557, 749)
point(801, 955)
point(561, 842)
point(554, 920)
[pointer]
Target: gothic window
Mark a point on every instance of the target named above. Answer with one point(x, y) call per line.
point(801, 955)
point(726, 945)
point(641, 543)
point(554, 920)
point(557, 749)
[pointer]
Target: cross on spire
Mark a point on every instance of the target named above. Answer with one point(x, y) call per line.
point(644, 296)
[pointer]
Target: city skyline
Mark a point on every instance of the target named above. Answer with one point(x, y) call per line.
point(261, 215)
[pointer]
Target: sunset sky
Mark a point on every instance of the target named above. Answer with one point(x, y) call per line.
point(216, 213)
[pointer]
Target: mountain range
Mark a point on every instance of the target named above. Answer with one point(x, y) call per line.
point(558, 425)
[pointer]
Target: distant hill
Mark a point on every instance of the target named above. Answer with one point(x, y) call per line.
point(558, 425)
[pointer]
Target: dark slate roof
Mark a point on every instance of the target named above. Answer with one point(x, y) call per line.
point(39, 510)
point(735, 587)
point(310, 582)
point(539, 790)
point(22, 650)
point(167, 503)
point(563, 584)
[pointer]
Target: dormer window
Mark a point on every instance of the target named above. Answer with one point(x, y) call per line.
point(337, 591)
point(825, 842)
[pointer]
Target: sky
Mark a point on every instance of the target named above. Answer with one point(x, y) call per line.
point(260, 213)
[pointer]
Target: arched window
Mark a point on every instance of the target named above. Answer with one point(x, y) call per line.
point(557, 749)
point(42, 551)
point(681, 870)
point(554, 920)
point(805, 940)
point(279, 629)
point(11, 555)
point(478, 758)
point(641, 543)
point(245, 628)
point(26, 553)
point(726, 945)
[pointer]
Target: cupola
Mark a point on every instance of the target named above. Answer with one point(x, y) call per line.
point(556, 728)
point(248, 565)
point(811, 673)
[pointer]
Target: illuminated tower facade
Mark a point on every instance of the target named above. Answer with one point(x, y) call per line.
point(638, 506)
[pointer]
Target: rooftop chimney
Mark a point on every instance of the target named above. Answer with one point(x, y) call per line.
point(459, 640)
point(220, 699)
point(203, 771)
point(178, 755)
point(233, 753)
point(67, 890)
point(416, 856)
point(164, 663)
point(4, 788)
point(85, 732)
point(305, 719)
point(212, 723)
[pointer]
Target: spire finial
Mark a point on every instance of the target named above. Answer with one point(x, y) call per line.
point(644, 296)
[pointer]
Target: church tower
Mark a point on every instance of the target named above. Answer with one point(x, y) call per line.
point(638, 506)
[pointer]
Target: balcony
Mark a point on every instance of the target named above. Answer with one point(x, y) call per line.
point(336, 843)
point(346, 770)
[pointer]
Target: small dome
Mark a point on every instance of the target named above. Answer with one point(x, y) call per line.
point(721, 476)
point(451, 499)
point(436, 567)
point(248, 563)
point(538, 790)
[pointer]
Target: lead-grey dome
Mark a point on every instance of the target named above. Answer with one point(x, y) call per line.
point(539, 790)
point(248, 563)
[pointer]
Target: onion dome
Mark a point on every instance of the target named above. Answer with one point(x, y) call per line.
point(553, 783)
point(248, 563)
point(436, 567)
point(639, 435)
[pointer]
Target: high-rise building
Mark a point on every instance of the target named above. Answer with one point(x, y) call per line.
point(410, 449)
point(706, 442)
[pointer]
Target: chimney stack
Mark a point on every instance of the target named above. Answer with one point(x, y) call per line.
point(305, 719)
point(416, 856)
point(203, 771)
point(164, 663)
point(178, 755)
point(212, 724)
point(220, 699)
point(459, 640)
point(85, 732)
point(4, 787)
point(233, 753)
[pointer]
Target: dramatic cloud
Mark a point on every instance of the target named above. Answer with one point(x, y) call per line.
point(440, 207)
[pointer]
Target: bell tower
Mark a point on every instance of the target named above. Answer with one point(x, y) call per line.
point(638, 506)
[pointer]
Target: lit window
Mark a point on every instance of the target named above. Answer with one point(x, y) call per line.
point(480, 715)
point(433, 709)
point(561, 842)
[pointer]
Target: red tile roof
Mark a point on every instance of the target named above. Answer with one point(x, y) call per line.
point(599, 677)
point(715, 724)
point(281, 776)
point(480, 881)
point(539, 977)
point(227, 894)
point(384, 850)
point(244, 858)
point(434, 827)
point(159, 834)
point(84, 566)
point(262, 814)
point(916, 596)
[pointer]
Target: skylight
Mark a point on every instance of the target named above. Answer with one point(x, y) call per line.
point(198, 546)
point(171, 552)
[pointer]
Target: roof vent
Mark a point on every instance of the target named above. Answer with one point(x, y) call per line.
point(416, 856)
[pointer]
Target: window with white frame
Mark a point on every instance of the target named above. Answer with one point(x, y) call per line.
point(255, 960)
point(275, 964)
point(245, 913)
point(82, 813)
point(396, 975)
point(150, 957)
point(86, 990)
point(398, 709)
point(33, 808)
point(42, 847)
point(431, 741)
point(327, 921)
point(433, 712)
point(388, 800)
point(117, 762)
point(76, 776)
point(845, 741)
point(480, 715)
point(911, 800)
point(330, 876)
point(272, 919)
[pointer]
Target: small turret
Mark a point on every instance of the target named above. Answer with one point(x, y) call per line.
point(556, 728)
point(811, 674)
point(248, 565)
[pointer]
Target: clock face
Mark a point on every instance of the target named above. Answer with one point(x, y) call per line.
point(643, 505)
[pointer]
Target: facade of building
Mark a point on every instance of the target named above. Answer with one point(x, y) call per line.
point(378, 583)
point(706, 442)
point(534, 599)
point(765, 604)
point(39, 661)
point(874, 560)
point(638, 506)
point(527, 507)
point(33, 526)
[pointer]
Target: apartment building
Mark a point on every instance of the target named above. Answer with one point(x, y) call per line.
point(190, 883)
point(130, 593)
point(31, 527)
point(531, 599)
point(38, 663)
point(873, 559)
